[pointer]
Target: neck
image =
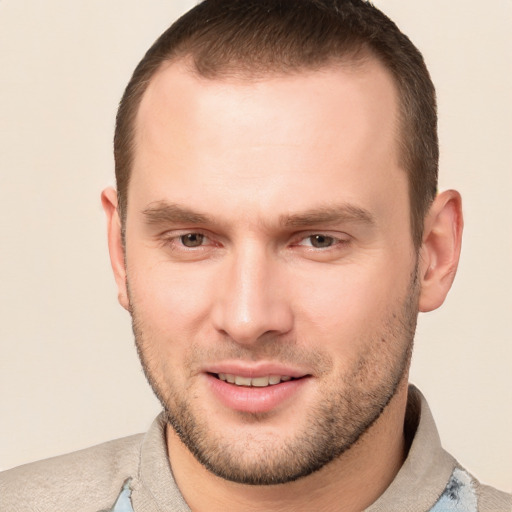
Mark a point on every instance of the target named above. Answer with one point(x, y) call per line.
point(350, 483)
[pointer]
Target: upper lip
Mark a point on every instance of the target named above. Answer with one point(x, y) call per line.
point(255, 370)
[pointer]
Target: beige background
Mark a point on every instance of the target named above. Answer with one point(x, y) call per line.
point(69, 376)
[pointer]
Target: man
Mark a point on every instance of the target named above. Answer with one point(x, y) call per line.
point(274, 233)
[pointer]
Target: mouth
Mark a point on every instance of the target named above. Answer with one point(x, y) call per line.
point(257, 382)
point(255, 390)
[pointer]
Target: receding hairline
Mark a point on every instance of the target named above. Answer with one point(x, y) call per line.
point(230, 73)
point(241, 71)
point(356, 62)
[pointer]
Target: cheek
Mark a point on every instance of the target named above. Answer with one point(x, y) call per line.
point(340, 294)
point(345, 307)
point(168, 309)
point(173, 301)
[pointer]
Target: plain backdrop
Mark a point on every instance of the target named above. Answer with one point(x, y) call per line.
point(69, 375)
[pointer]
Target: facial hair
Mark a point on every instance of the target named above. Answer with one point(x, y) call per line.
point(348, 407)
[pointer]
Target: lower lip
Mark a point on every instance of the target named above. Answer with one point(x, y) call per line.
point(254, 399)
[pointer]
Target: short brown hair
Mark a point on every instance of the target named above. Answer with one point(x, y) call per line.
point(255, 37)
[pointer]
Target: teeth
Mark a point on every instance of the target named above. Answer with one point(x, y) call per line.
point(242, 381)
point(259, 382)
point(274, 379)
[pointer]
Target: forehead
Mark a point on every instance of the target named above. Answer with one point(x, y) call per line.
point(177, 92)
point(248, 142)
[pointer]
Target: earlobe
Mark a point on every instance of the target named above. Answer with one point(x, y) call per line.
point(440, 250)
point(115, 244)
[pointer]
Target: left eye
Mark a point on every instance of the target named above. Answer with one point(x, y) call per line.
point(319, 241)
point(192, 239)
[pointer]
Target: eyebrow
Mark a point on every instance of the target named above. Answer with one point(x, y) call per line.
point(162, 212)
point(328, 215)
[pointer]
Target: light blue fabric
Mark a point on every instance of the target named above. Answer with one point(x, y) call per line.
point(458, 496)
point(123, 502)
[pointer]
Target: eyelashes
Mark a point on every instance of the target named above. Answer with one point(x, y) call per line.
point(320, 241)
point(199, 244)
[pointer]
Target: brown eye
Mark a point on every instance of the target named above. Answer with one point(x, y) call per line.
point(192, 239)
point(321, 241)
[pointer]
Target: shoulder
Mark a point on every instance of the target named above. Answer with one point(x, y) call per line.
point(86, 480)
point(491, 499)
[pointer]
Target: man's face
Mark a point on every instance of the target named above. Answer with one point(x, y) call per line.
point(268, 242)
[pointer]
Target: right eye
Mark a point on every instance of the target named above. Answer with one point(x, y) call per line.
point(319, 241)
point(192, 239)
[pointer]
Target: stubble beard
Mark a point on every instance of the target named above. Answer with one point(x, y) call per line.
point(335, 424)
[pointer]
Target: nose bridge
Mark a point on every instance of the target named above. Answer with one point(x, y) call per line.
point(249, 305)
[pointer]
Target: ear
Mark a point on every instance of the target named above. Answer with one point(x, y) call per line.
point(115, 244)
point(440, 250)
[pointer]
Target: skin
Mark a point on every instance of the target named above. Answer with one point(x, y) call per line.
point(256, 169)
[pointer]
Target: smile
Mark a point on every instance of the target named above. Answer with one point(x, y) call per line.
point(259, 382)
point(258, 393)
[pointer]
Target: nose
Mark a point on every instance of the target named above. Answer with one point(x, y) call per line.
point(252, 301)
